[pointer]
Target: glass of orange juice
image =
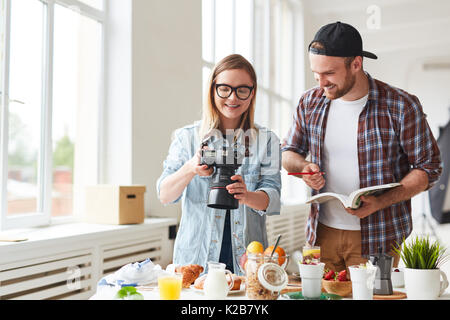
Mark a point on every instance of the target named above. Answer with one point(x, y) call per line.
point(311, 254)
point(170, 286)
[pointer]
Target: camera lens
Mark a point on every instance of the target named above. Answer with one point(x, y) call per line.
point(219, 197)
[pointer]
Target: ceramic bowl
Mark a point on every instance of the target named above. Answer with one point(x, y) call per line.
point(398, 278)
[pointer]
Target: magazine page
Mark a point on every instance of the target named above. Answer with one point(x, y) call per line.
point(374, 190)
point(327, 196)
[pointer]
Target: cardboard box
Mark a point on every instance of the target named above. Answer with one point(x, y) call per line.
point(112, 204)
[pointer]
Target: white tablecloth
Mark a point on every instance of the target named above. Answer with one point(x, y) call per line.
point(108, 293)
point(193, 294)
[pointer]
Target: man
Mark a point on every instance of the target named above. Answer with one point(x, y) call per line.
point(361, 132)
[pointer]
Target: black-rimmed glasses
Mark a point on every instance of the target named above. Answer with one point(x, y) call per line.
point(242, 92)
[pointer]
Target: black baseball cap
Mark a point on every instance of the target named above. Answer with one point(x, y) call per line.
point(339, 40)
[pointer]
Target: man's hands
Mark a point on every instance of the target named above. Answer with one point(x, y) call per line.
point(369, 205)
point(315, 181)
point(295, 162)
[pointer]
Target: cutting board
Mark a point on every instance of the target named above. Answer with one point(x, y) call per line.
point(291, 288)
point(394, 296)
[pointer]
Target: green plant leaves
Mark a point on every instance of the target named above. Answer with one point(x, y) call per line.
point(420, 253)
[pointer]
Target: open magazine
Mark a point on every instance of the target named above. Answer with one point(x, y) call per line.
point(353, 199)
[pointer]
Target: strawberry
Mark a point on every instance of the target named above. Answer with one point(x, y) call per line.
point(329, 275)
point(342, 276)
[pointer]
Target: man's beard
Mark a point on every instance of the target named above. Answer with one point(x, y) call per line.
point(347, 86)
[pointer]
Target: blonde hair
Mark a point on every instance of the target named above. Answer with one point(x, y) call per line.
point(210, 115)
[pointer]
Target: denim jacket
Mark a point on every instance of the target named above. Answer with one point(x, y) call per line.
point(199, 236)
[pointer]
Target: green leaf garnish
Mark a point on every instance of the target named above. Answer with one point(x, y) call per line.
point(129, 293)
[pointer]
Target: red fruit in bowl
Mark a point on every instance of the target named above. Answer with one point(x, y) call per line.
point(342, 276)
point(329, 275)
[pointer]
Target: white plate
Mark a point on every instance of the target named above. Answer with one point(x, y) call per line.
point(241, 289)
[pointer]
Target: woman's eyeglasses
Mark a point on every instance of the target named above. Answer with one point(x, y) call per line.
point(242, 92)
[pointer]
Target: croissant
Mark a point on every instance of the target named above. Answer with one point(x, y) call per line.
point(190, 273)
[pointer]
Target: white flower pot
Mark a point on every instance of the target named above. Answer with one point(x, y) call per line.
point(424, 284)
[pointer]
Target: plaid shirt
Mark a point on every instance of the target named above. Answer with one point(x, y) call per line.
point(393, 138)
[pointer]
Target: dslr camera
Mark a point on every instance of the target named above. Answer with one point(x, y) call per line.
point(226, 162)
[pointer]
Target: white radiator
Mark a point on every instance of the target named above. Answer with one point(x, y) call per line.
point(117, 255)
point(291, 225)
point(69, 267)
point(63, 276)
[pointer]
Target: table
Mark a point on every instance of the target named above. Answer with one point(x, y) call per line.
point(108, 293)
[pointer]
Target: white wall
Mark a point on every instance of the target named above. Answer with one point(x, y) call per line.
point(411, 33)
point(433, 88)
point(116, 114)
point(167, 85)
point(153, 88)
point(163, 88)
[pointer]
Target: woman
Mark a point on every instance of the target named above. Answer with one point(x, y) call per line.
point(208, 234)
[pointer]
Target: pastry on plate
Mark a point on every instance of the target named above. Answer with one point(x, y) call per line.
point(190, 273)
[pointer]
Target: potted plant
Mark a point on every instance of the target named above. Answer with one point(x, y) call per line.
point(423, 259)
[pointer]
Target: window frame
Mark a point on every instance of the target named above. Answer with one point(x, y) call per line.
point(42, 216)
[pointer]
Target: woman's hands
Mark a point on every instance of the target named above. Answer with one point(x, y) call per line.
point(197, 168)
point(173, 186)
point(258, 200)
point(238, 189)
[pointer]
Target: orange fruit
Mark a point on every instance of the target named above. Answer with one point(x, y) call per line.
point(279, 251)
point(255, 247)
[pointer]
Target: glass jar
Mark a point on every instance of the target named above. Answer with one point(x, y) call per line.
point(264, 278)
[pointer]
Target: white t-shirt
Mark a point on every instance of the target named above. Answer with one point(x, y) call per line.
point(340, 161)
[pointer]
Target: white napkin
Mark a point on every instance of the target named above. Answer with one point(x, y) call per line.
point(134, 274)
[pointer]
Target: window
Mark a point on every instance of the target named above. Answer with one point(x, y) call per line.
point(269, 34)
point(51, 80)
